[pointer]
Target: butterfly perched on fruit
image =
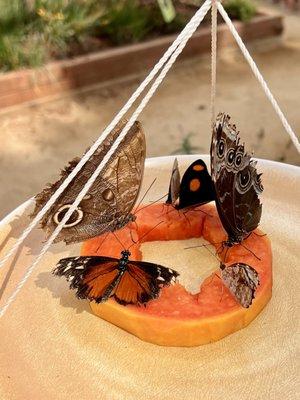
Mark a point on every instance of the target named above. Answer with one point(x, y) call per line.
point(98, 278)
point(236, 182)
point(242, 281)
point(195, 188)
point(108, 204)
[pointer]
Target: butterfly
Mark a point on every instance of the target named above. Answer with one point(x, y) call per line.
point(236, 182)
point(108, 204)
point(195, 188)
point(242, 281)
point(98, 278)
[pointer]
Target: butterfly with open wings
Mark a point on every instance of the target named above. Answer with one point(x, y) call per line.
point(128, 282)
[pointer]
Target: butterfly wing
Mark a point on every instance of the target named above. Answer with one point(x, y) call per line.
point(142, 282)
point(94, 278)
point(174, 186)
point(108, 204)
point(236, 182)
point(196, 186)
point(242, 281)
point(98, 278)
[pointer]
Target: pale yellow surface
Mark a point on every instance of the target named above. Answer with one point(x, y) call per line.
point(52, 347)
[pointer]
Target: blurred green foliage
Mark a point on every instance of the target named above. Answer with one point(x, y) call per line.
point(242, 10)
point(186, 146)
point(33, 32)
point(130, 21)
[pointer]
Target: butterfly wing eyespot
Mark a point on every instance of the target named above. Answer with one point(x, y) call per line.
point(221, 148)
point(75, 218)
point(230, 157)
point(242, 280)
point(243, 180)
point(108, 195)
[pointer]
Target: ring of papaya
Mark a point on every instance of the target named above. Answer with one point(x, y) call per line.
point(176, 317)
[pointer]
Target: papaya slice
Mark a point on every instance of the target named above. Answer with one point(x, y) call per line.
point(177, 317)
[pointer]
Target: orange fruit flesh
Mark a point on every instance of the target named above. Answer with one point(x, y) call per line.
point(177, 317)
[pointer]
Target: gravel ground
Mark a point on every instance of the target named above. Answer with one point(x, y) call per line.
point(38, 139)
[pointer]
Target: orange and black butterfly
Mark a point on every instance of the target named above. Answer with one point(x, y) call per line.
point(195, 188)
point(98, 278)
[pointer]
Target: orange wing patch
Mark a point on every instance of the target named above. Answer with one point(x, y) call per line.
point(135, 286)
point(198, 167)
point(99, 278)
point(195, 185)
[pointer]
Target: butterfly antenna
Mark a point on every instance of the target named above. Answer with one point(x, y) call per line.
point(147, 233)
point(151, 203)
point(145, 194)
point(99, 247)
point(119, 240)
point(250, 251)
point(131, 237)
point(202, 245)
point(213, 254)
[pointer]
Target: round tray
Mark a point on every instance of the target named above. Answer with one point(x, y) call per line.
point(53, 347)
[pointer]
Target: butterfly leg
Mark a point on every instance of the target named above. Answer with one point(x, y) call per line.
point(212, 279)
point(256, 234)
point(220, 249)
point(226, 251)
point(186, 217)
point(204, 212)
point(250, 251)
point(222, 293)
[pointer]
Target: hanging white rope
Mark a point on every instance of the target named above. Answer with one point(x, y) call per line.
point(259, 76)
point(214, 17)
point(190, 27)
point(196, 20)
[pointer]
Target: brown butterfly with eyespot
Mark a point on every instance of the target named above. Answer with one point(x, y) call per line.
point(108, 204)
point(242, 281)
point(236, 182)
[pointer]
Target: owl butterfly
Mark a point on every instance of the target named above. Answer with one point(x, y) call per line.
point(195, 188)
point(128, 282)
point(242, 281)
point(108, 204)
point(236, 182)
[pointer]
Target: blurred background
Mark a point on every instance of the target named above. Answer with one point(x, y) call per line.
point(68, 66)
